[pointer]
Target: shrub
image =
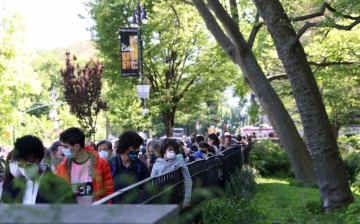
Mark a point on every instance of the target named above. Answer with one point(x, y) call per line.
point(352, 214)
point(351, 160)
point(270, 159)
point(230, 210)
point(242, 183)
point(353, 141)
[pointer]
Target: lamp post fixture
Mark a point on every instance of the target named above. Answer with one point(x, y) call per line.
point(138, 18)
point(53, 112)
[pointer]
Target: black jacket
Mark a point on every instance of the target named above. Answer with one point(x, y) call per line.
point(52, 189)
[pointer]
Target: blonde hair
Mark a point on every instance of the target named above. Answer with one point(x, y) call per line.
point(154, 145)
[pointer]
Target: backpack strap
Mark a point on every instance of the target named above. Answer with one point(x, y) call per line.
point(115, 164)
point(139, 171)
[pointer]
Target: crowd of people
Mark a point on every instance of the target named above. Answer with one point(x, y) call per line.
point(73, 170)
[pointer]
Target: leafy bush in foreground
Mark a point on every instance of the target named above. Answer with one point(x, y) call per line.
point(270, 159)
point(236, 206)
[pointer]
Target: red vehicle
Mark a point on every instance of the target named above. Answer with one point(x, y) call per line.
point(263, 131)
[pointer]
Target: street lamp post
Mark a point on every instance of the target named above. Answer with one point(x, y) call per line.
point(53, 112)
point(138, 18)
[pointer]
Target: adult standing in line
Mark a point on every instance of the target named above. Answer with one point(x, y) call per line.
point(169, 162)
point(38, 184)
point(104, 148)
point(56, 154)
point(126, 167)
point(88, 174)
point(214, 141)
point(152, 153)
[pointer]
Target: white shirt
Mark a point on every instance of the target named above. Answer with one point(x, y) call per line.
point(31, 190)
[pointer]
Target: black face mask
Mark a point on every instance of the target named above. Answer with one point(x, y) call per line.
point(203, 151)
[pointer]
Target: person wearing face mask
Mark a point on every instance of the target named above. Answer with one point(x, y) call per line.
point(152, 153)
point(170, 162)
point(11, 170)
point(56, 154)
point(126, 167)
point(83, 168)
point(104, 148)
point(37, 184)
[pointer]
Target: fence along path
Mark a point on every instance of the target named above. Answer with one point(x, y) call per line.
point(168, 187)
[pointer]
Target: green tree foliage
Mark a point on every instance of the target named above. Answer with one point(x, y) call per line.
point(19, 83)
point(337, 72)
point(120, 94)
point(180, 59)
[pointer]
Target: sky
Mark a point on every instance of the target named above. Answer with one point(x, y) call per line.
point(50, 23)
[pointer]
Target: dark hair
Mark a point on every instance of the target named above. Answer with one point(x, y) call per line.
point(92, 144)
point(199, 138)
point(103, 142)
point(166, 143)
point(211, 149)
point(28, 145)
point(203, 145)
point(192, 140)
point(128, 139)
point(54, 147)
point(215, 138)
point(73, 136)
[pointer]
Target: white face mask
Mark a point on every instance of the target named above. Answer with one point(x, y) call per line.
point(104, 154)
point(170, 155)
point(14, 170)
point(30, 172)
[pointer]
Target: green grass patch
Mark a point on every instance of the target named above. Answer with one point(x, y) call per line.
point(281, 203)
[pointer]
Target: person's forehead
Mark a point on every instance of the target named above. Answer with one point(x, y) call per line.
point(27, 159)
point(65, 144)
point(104, 146)
point(133, 148)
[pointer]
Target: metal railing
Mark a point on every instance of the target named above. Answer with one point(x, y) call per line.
point(168, 188)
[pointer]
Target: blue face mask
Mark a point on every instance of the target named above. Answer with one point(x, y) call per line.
point(133, 155)
point(66, 152)
point(152, 156)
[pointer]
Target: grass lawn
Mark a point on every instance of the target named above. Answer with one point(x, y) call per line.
point(281, 203)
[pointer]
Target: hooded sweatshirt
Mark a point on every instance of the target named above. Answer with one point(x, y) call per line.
point(163, 166)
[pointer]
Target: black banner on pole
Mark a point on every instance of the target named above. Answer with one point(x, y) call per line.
point(129, 52)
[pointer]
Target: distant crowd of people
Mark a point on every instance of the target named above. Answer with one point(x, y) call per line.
point(74, 171)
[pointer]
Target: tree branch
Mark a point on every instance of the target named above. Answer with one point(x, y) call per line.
point(254, 30)
point(323, 64)
point(336, 26)
point(277, 77)
point(231, 28)
point(215, 29)
point(324, 6)
point(234, 11)
point(321, 12)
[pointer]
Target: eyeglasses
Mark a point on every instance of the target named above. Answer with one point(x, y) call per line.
point(25, 165)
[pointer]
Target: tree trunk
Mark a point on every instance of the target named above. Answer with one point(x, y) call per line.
point(169, 118)
point(332, 178)
point(335, 128)
point(241, 54)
